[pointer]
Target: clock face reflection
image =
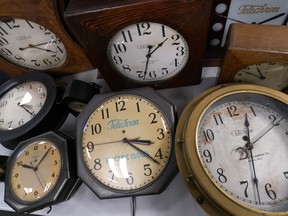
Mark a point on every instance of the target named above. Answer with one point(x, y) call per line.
point(126, 143)
point(35, 171)
point(21, 104)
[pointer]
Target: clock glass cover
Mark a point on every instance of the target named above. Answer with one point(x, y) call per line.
point(30, 45)
point(35, 171)
point(148, 52)
point(20, 104)
point(126, 143)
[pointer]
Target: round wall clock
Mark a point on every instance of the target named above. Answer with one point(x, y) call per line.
point(252, 57)
point(41, 172)
point(231, 150)
point(29, 105)
point(38, 42)
point(226, 12)
point(161, 46)
point(125, 144)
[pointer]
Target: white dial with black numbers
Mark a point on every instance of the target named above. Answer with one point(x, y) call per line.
point(30, 45)
point(20, 104)
point(148, 52)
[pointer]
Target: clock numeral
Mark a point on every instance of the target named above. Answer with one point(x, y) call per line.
point(97, 164)
point(105, 113)
point(3, 42)
point(218, 119)
point(120, 106)
point(10, 22)
point(56, 58)
point(175, 62)
point(120, 48)
point(36, 193)
point(16, 175)
point(159, 154)
point(47, 62)
point(153, 116)
point(96, 129)
point(3, 32)
point(180, 50)
point(26, 153)
point(161, 133)
point(246, 187)
point(19, 58)
point(117, 60)
point(126, 68)
point(127, 36)
point(254, 113)
point(3, 104)
point(90, 146)
point(130, 179)
point(164, 71)
point(143, 29)
point(270, 193)
point(208, 135)
point(35, 62)
point(46, 31)
point(221, 178)
point(232, 110)
point(19, 163)
point(147, 170)
point(273, 118)
point(6, 52)
point(286, 174)
point(207, 155)
point(19, 186)
point(175, 38)
point(29, 24)
point(138, 107)
point(35, 148)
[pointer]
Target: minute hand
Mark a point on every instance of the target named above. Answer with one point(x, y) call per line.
point(266, 130)
point(159, 45)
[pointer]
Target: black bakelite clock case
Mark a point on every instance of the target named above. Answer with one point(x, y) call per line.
point(51, 116)
point(161, 181)
point(67, 181)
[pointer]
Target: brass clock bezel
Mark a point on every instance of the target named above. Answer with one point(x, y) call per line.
point(208, 194)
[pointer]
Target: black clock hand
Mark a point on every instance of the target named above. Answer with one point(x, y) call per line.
point(35, 171)
point(249, 145)
point(158, 46)
point(36, 47)
point(43, 157)
point(229, 18)
point(249, 73)
point(140, 150)
point(272, 18)
point(148, 56)
point(138, 141)
point(28, 111)
point(27, 166)
point(260, 73)
point(266, 130)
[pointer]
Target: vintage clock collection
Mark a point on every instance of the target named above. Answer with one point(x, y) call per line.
point(229, 144)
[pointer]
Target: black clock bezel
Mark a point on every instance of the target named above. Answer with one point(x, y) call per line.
point(51, 116)
point(66, 183)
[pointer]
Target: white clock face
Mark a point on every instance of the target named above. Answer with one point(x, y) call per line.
point(20, 104)
point(268, 12)
point(27, 44)
point(148, 52)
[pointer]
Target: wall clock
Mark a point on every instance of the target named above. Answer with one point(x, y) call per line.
point(226, 12)
point(256, 54)
point(29, 105)
point(32, 37)
point(125, 144)
point(145, 43)
point(41, 172)
point(231, 150)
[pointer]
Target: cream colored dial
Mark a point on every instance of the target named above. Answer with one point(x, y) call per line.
point(272, 74)
point(25, 100)
point(35, 171)
point(126, 143)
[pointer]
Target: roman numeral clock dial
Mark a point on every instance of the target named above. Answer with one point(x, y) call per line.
point(236, 140)
point(125, 145)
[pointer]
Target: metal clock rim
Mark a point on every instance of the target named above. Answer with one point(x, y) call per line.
point(201, 177)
